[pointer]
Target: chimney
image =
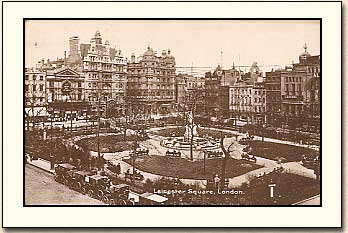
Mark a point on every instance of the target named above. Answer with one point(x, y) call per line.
point(133, 58)
point(164, 53)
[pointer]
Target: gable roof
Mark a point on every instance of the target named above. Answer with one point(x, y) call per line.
point(65, 71)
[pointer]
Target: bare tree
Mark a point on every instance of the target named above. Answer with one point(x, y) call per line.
point(189, 107)
point(227, 151)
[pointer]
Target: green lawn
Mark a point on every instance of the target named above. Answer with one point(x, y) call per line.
point(273, 151)
point(184, 168)
point(290, 188)
point(170, 132)
point(111, 143)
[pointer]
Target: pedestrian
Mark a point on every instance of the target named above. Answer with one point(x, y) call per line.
point(118, 169)
point(217, 181)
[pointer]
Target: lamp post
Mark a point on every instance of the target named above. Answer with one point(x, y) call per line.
point(135, 146)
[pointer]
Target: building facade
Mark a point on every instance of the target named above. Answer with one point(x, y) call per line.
point(151, 83)
point(248, 97)
point(218, 92)
point(66, 94)
point(300, 92)
point(35, 93)
point(273, 97)
point(104, 70)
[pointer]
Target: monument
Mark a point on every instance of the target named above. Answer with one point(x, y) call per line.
point(190, 129)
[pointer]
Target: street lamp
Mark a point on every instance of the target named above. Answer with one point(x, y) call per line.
point(133, 156)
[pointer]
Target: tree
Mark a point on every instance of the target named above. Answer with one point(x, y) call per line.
point(188, 109)
point(226, 152)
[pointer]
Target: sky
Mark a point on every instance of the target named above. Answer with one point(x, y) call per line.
point(196, 43)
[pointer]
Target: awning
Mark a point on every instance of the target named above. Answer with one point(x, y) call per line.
point(134, 196)
point(38, 111)
point(154, 197)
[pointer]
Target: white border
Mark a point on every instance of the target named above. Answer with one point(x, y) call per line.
point(17, 216)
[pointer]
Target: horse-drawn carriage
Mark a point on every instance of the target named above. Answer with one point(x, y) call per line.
point(136, 176)
point(173, 153)
point(96, 185)
point(78, 181)
point(310, 161)
point(214, 154)
point(64, 173)
point(248, 157)
point(139, 152)
point(246, 140)
point(117, 195)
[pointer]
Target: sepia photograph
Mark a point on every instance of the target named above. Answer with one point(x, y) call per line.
point(172, 112)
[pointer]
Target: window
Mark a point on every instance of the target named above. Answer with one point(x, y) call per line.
point(26, 88)
point(41, 87)
point(79, 84)
point(34, 87)
point(41, 77)
point(26, 77)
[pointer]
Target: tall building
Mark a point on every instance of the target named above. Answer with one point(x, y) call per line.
point(35, 93)
point(104, 69)
point(300, 92)
point(151, 83)
point(217, 90)
point(248, 97)
point(74, 51)
point(212, 84)
point(66, 94)
point(273, 97)
point(190, 88)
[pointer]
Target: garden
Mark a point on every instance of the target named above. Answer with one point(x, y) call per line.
point(109, 144)
point(183, 168)
point(275, 151)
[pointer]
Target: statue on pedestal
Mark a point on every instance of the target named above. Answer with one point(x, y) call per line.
point(190, 129)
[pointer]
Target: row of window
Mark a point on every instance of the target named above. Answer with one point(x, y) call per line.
point(35, 99)
point(34, 77)
point(313, 69)
point(248, 109)
point(293, 79)
point(247, 100)
point(54, 96)
point(34, 87)
point(150, 71)
point(293, 87)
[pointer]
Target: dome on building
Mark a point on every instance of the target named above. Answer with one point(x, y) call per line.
point(97, 34)
point(169, 55)
point(305, 54)
point(149, 52)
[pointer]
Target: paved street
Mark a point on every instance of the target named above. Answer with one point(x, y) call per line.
point(41, 189)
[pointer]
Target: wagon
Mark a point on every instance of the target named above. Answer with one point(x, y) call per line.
point(96, 185)
point(117, 195)
point(63, 173)
point(173, 153)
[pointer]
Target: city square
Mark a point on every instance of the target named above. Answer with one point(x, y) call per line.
point(109, 129)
